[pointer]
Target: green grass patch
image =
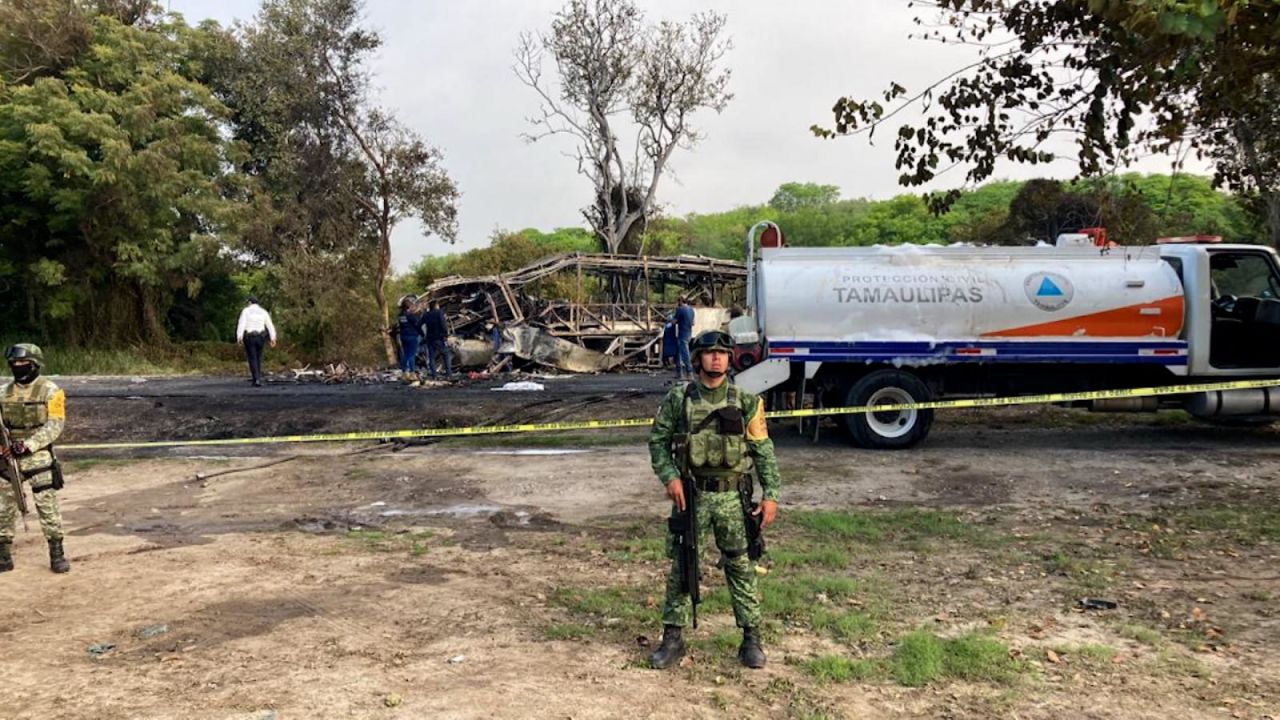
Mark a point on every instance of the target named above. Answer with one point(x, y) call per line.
point(1178, 665)
point(839, 669)
point(882, 526)
point(381, 541)
point(846, 626)
point(1087, 573)
point(183, 358)
point(922, 657)
point(1258, 595)
point(1142, 634)
point(917, 660)
point(613, 603)
point(1088, 653)
point(1245, 524)
point(727, 640)
point(643, 549)
point(798, 597)
point(819, 601)
point(568, 631)
point(803, 555)
point(1177, 529)
point(722, 644)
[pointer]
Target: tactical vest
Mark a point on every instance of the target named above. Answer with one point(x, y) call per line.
point(710, 453)
point(25, 412)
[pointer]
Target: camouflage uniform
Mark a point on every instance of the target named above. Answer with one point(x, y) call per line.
point(712, 455)
point(35, 414)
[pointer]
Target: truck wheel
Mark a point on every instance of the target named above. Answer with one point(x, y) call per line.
point(894, 429)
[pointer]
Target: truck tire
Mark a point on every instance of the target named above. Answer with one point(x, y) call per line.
point(894, 430)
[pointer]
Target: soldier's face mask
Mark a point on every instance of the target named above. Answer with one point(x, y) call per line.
point(24, 371)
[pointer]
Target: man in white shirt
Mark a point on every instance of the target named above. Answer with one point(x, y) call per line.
point(253, 331)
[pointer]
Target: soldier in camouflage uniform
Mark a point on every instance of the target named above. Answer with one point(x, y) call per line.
point(35, 411)
point(719, 463)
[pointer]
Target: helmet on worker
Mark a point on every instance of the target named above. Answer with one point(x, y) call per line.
point(711, 341)
point(25, 361)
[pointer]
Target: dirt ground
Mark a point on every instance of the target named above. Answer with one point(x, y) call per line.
point(520, 577)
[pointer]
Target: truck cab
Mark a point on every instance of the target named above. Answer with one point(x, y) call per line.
point(1232, 292)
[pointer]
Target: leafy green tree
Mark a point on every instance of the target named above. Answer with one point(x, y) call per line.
point(1118, 77)
point(114, 178)
point(793, 196)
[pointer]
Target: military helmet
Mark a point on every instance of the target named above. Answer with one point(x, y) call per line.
point(711, 340)
point(25, 351)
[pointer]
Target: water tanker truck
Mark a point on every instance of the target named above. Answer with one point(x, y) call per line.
point(859, 326)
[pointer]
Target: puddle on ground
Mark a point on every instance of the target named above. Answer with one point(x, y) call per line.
point(461, 511)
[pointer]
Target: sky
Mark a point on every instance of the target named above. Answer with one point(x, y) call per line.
point(445, 70)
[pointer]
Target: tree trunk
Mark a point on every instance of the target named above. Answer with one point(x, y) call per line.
point(380, 285)
point(150, 330)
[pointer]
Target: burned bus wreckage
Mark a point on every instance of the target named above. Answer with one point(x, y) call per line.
point(582, 312)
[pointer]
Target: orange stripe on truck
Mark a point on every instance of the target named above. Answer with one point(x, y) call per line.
point(1162, 318)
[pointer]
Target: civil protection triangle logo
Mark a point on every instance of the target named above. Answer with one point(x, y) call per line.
point(1048, 291)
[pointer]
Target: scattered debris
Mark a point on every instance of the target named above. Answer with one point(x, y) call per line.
point(1096, 604)
point(521, 386)
point(392, 700)
point(151, 631)
point(97, 650)
point(456, 659)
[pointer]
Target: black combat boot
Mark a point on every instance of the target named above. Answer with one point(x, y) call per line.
point(671, 649)
point(750, 652)
point(6, 557)
point(57, 561)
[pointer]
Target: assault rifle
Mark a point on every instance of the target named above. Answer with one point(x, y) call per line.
point(684, 529)
point(11, 470)
point(684, 532)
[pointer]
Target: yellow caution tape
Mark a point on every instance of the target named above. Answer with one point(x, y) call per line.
point(646, 422)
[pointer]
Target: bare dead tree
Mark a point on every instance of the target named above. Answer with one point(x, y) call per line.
point(619, 77)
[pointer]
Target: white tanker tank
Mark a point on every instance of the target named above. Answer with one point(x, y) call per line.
point(920, 303)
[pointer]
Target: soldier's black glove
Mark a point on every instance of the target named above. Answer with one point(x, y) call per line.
point(19, 448)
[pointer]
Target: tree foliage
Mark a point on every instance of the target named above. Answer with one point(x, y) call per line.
point(339, 172)
point(793, 196)
point(1118, 77)
point(114, 179)
point(1135, 209)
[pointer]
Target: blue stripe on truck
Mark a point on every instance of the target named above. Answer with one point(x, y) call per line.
point(1172, 352)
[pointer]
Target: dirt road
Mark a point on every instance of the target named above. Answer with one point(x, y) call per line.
point(517, 578)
